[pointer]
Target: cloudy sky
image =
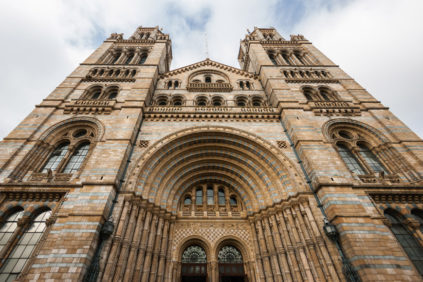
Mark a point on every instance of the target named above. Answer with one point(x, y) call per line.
point(378, 42)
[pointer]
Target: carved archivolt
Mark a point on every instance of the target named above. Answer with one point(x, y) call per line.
point(258, 171)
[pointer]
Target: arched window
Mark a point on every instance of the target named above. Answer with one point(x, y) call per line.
point(233, 201)
point(129, 58)
point(194, 264)
point(8, 228)
point(231, 267)
point(56, 157)
point(371, 159)
point(217, 101)
point(169, 84)
point(199, 196)
point(327, 94)
point(116, 57)
point(111, 92)
point(257, 101)
point(202, 101)
point(247, 84)
point(95, 93)
point(210, 196)
point(286, 58)
point(208, 79)
point(177, 101)
point(19, 256)
point(410, 245)
point(162, 101)
point(187, 200)
point(176, 84)
point(143, 59)
point(221, 196)
point(241, 85)
point(241, 101)
point(350, 160)
point(273, 59)
point(299, 57)
point(308, 93)
point(77, 158)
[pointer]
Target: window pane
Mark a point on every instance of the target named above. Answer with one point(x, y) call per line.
point(199, 196)
point(14, 264)
point(77, 158)
point(350, 160)
point(6, 231)
point(56, 157)
point(221, 197)
point(371, 159)
point(210, 196)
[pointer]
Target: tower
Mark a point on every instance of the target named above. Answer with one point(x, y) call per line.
point(283, 169)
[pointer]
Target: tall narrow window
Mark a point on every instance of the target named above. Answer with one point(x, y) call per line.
point(273, 59)
point(208, 79)
point(286, 58)
point(8, 228)
point(199, 196)
point(233, 201)
point(410, 245)
point(21, 253)
point(210, 196)
point(129, 59)
point(77, 158)
point(116, 58)
point(350, 160)
point(221, 197)
point(143, 59)
point(56, 157)
point(371, 159)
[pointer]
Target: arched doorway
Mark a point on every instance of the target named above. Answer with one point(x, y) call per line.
point(231, 266)
point(194, 264)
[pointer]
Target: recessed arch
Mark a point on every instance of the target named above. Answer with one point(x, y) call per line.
point(254, 168)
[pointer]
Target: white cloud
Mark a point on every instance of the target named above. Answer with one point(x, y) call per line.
point(377, 42)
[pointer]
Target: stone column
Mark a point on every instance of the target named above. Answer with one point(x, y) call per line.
point(286, 239)
point(286, 273)
point(114, 252)
point(281, 59)
point(264, 252)
point(272, 251)
point(135, 243)
point(168, 267)
point(143, 243)
point(156, 249)
point(260, 272)
point(122, 57)
point(163, 250)
point(125, 243)
point(149, 250)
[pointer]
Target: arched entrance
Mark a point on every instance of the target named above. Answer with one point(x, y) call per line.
point(231, 266)
point(194, 264)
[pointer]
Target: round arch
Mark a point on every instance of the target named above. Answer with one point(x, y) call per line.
point(257, 170)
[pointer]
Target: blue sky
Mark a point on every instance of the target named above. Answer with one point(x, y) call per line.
point(377, 42)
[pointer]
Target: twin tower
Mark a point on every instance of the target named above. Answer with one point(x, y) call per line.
point(284, 169)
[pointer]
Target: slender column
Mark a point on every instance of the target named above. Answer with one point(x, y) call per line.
point(156, 250)
point(111, 261)
point(281, 59)
point(299, 246)
point(302, 228)
point(272, 252)
point(149, 250)
point(122, 57)
point(169, 267)
point(280, 249)
point(135, 243)
point(320, 242)
point(137, 56)
point(109, 56)
point(163, 250)
point(125, 243)
point(260, 272)
point(296, 274)
point(264, 252)
point(142, 246)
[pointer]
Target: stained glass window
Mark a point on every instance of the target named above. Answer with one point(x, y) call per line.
point(350, 160)
point(77, 158)
point(410, 245)
point(56, 157)
point(21, 253)
point(194, 254)
point(229, 254)
point(371, 159)
point(9, 226)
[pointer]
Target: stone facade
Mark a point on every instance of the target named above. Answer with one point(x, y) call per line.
point(283, 169)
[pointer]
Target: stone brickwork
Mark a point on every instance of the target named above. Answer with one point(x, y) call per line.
point(138, 163)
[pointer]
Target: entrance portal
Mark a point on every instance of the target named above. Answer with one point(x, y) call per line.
point(231, 267)
point(194, 264)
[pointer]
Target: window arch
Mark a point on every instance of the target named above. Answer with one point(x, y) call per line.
point(116, 57)
point(257, 101)
point(129, 58)
point(143, 59)
point(285, 56)
point(407, 241)
point(327, 94)
point(177, 100)
point(241, 101)
point(9, 226)
point(201, 101)
point(217, 101)
point(94, 92)
point(111, 92)
point(272, 58)
point(370, 158)
point(162, 101)
point(309, 93)
point(21, 252)
point(349, 159)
